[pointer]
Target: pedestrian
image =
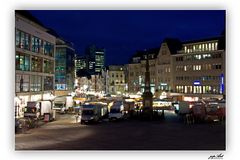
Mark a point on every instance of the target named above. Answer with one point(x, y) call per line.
point(77, 117)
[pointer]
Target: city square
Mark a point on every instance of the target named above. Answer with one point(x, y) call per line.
point(84, 89)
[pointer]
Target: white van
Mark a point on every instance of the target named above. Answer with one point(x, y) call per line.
point(116, 111)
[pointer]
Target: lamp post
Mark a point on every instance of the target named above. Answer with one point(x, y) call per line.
point(147, 111)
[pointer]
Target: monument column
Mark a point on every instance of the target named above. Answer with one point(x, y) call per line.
point(147, 110)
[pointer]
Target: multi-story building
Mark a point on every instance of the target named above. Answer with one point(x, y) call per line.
point(115, 79)
point(137, 68)
point(164, 70)
point(64, 67)
point(80, 64)
point(99, 60)
point(34, 61)
point(199, 67)
point(194, 68)
point(95, 59)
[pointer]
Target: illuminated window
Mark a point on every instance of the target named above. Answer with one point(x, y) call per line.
point(36, 65)
point(48, 83)
point(36, 44)
point(36, 83)
point(22, 83)
point(213, 47)
point(209, 46)
point(203, 47)
point(185, 49)
point(22, 62)
point(22, 40)
point(216, 46)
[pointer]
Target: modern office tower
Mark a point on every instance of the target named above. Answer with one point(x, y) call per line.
point(95, 59)
point(64, 67)
point(80, 63)
point(34, 61)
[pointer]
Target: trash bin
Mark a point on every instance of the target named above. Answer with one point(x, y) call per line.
point(46, 117)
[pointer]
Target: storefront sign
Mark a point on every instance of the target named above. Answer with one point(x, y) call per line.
point(196, 83)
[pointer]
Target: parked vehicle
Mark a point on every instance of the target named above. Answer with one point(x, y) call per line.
point(39, 110)
point(63, 103)
point(116, 111)
point(93, 112)
point(216, 111)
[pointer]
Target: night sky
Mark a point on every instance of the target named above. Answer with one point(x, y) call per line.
point(121, 33)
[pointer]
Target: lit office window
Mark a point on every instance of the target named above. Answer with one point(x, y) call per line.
point(22, 62)
point(209, 46)
point(48, 66)
point(22, 40)
point(36, 44)
point(213, 47)
point(36, 83)
point(206, 47)
point(216, 45)
point(185, 49)
point(48, 48)
point(48, 83)
point(17, 42)
point(22, 83)
point(203, 47)
point(36, 65)
point(185, 68)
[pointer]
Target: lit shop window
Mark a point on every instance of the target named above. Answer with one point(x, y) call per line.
point(197, 89)
point(179, 89)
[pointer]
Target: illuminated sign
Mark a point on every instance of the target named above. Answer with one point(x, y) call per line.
point(196, 83)
point(222, 83)
point(163, 84)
